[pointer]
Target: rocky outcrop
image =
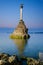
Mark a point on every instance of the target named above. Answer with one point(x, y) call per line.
point(31, 61)
point(21, 31)
point(6, 59)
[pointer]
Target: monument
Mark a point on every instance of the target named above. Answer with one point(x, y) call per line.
point(21, 31)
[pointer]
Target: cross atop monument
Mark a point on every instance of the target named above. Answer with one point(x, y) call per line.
point(21, 12)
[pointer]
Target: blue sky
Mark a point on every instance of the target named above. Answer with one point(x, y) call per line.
point(32, 13)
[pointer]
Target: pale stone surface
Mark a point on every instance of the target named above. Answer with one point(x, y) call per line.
point(12, 59)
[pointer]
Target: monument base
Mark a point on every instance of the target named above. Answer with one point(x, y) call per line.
point(12, 36)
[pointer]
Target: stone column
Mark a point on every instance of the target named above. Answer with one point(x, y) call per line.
point(21, 12)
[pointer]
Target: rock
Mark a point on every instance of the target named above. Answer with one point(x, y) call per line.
point(2, 62)
point(21, 31)
point(13, 59)
point(31, 61)
point(6, 59)
point(4, 56)
point(1, 54)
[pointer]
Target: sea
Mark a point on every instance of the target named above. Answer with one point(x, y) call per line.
point(31, 47)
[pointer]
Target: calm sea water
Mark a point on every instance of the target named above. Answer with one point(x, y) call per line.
point(29, 48)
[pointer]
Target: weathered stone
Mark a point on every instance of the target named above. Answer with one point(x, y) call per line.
point(1, 55)
point(31, 61)
point(4, 56)
point(2, 62)
point(12, 59)
point(6, 59)
point(21, 29)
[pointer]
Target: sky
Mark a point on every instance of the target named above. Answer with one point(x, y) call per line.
point(32, 13)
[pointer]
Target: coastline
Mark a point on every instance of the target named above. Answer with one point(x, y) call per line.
point(6, 59)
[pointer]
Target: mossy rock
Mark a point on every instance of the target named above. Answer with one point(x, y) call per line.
point(19, 37)
point(15, 37)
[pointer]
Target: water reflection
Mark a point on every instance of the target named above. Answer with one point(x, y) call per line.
point(20, 43)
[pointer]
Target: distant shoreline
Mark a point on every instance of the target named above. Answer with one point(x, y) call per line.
point(30, 31)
